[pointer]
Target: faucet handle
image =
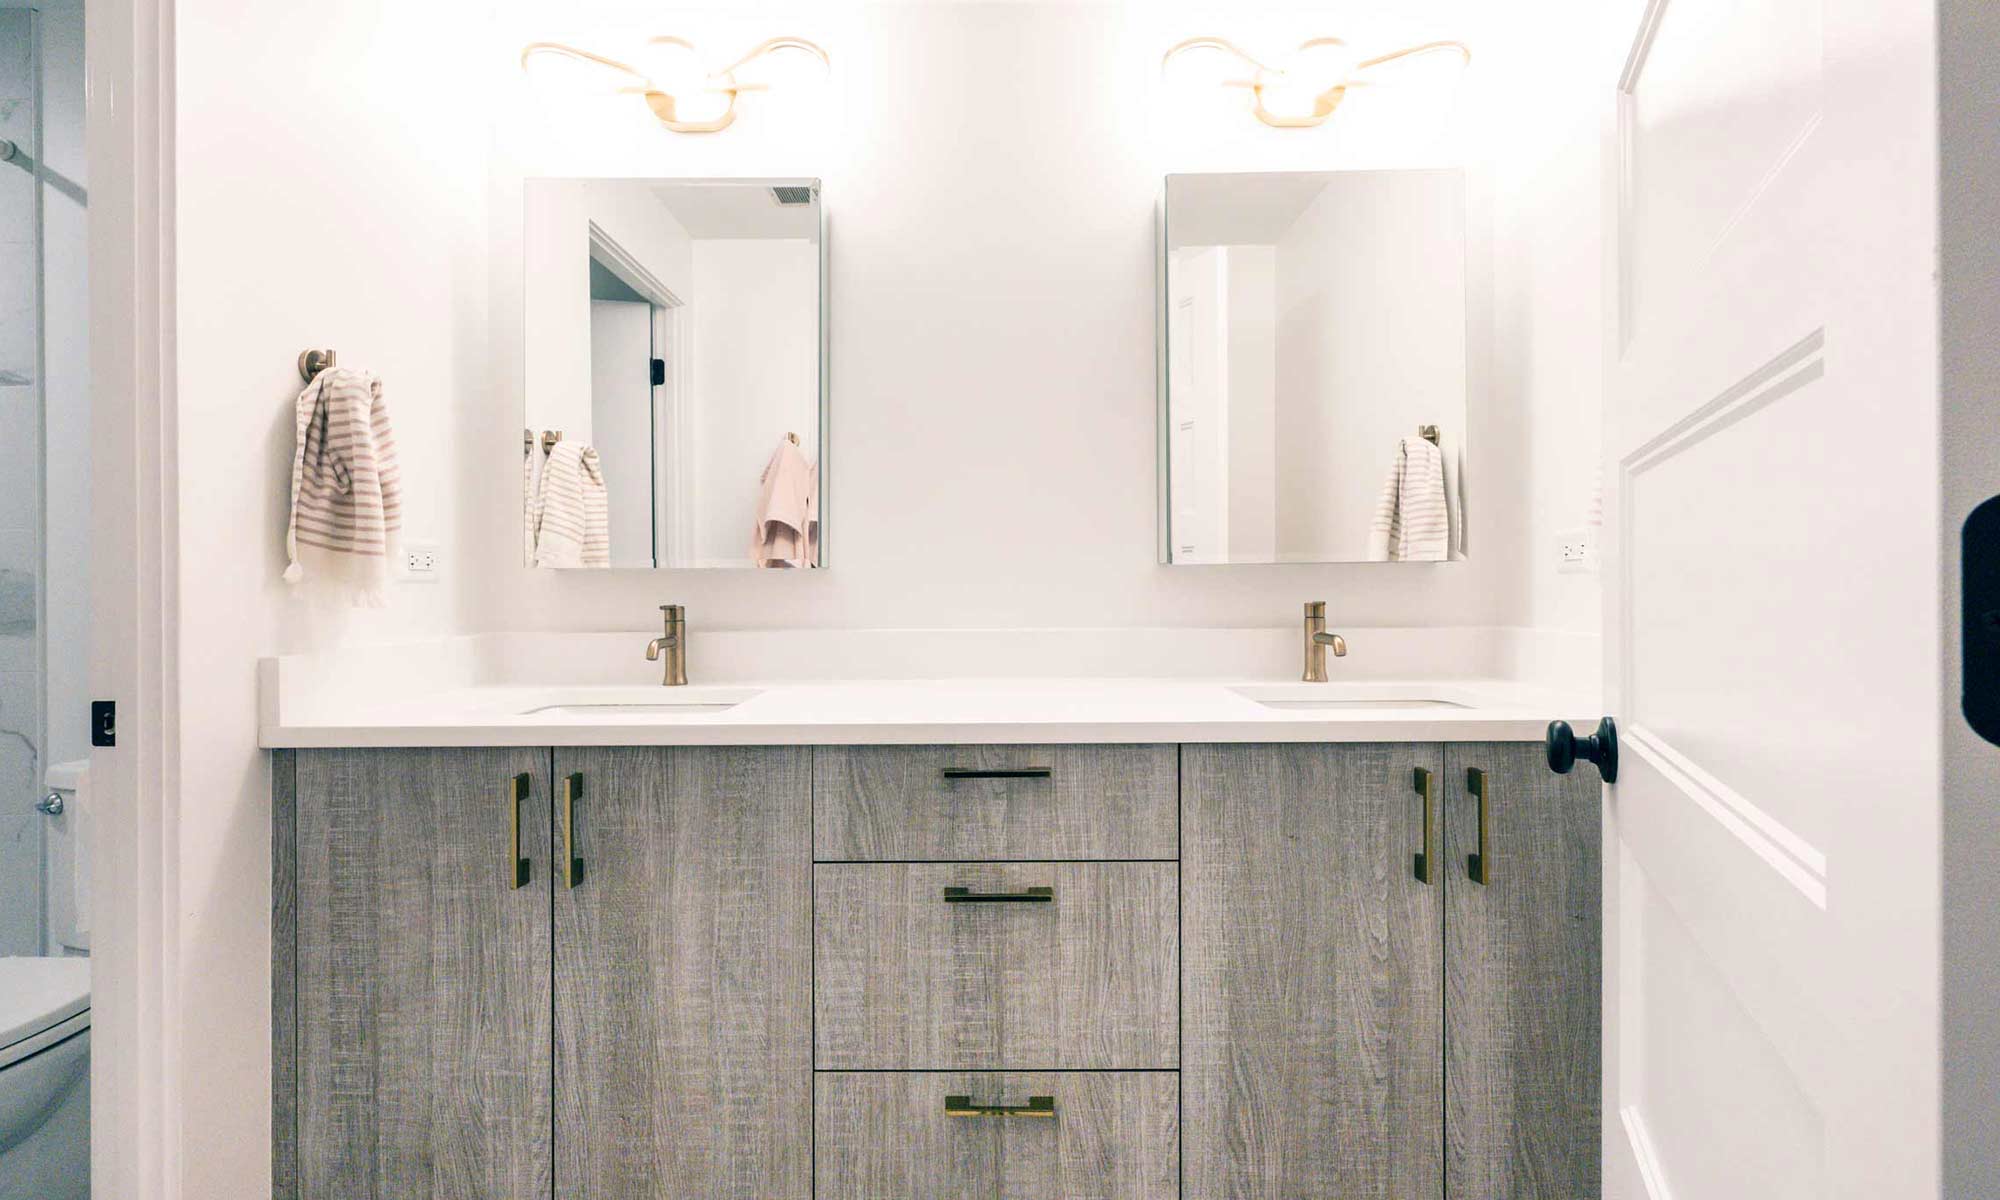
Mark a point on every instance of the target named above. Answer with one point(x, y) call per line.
point(1315, 608)
point(674, 612)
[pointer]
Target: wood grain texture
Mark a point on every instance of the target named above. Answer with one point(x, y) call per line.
point(683, 977)
point(1312, 1058)
point(284, 977)
point(905, 981)
point(1522, 1000)
point(894, 803)
point(423, 977)
point(884, 1136)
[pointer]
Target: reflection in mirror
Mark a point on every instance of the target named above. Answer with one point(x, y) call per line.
point(675, 373)
point(1313, 384)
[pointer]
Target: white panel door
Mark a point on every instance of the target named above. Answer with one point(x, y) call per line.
point(621, 423)
point(1772, 915)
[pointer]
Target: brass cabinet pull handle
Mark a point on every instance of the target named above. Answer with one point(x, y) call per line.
point(1424, 857)
point(1033, 895)
point(1037, 1106)
point(1479, 865)
point(573, 868)
point(517, 789)
point(997, 772)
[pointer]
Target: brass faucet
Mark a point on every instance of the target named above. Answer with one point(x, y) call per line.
point(673, 644)
point(1317, 640)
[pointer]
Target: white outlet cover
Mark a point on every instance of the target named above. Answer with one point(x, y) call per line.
point(422, 562)
point(1576, 551)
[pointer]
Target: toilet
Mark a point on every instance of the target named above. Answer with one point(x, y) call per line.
point(45, 1026)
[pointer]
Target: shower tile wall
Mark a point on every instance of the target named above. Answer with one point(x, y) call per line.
point(20, 500)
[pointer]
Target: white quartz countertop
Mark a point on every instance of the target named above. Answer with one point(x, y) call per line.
point(452, 695)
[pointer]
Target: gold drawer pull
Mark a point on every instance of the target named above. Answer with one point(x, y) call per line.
point(517, 795)
point(997, 772)
point(573, 865)
point(1033, 895)
point(1425, 856)
point(1037, 1106)
point(1479, 866)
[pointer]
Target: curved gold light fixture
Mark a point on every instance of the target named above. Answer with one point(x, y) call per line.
point(1322, 95)
point(668, 98)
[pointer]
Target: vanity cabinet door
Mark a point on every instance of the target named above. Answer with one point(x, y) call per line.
point(1311, 1056)
point(1522, 962)
point(422, 974)
point(683, 974)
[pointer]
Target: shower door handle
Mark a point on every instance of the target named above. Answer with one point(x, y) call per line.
point(52, 804)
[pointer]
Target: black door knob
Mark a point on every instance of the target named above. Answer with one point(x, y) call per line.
point(1565, 748)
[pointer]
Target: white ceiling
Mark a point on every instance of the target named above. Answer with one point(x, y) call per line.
point(736, 210)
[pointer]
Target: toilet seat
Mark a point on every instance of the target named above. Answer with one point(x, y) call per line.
point(43, 1001)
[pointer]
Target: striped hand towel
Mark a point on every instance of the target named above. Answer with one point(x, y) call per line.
point(1411, 524)
point(347, 492)
point(575, 512)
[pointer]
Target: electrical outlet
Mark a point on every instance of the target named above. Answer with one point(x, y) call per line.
point(422, 561)
point(1576, 551)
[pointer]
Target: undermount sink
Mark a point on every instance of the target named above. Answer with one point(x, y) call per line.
point(631, 702)
point(1328, 697)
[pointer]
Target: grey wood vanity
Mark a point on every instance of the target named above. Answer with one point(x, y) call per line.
point(1127, 972)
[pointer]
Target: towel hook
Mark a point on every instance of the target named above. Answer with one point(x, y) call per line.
point(312, 362)
point(1429, 433)
point(549, 439)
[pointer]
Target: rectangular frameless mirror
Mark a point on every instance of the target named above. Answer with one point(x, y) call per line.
point(676, 373)
point(1312, 375)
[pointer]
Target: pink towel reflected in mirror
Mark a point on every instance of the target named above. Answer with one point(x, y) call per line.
point(786, 533)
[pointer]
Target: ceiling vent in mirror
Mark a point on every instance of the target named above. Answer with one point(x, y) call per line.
point(792, 196)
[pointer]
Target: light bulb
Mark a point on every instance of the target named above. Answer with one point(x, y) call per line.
point(1315, 69)
point(675, 68)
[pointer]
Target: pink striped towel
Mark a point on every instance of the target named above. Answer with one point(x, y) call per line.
point(347, 493)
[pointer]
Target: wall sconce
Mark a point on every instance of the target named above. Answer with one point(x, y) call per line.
point(682, 91)
point(1303, 93)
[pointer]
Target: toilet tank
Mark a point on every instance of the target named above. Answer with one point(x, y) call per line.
point(67, 866)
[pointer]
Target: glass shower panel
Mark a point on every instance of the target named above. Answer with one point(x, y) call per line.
point(21, 654)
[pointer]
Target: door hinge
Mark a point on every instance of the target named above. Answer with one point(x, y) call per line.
point(103, 723)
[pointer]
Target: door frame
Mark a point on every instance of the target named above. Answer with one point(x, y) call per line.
point(1969, 195)
point(135, 1019)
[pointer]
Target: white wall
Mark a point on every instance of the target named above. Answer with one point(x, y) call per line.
point(330, 192)
point(1371, 343)
point(66, 386)
point(1547, 179)
point(1253, 399)
point(21, 566)
point(756, 378)
point(991, 252)
point(556, 256)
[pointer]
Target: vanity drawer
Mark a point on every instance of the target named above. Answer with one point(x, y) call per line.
point(1083, 976)
point(1113, 1135)
point(995, 802)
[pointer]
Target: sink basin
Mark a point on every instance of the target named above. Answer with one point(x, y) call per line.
point(1331, 697)
point(633, 710)
point(633, 702)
